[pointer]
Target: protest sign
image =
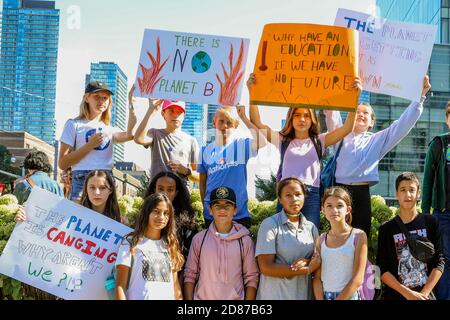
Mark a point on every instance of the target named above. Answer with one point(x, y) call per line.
point(306, 65)
point(62, 248)
point(191, 67)
point(393, 56)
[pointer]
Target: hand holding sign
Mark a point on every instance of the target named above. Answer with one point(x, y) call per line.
point(155, 103)
point(426, 85)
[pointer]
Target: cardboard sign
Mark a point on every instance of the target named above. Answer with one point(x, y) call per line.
point(191, 67)
point(62, 248)
point(306, 65)
point(393, 56)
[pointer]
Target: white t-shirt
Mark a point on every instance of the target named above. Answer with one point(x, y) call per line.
point(151, 275)
point(76, 134)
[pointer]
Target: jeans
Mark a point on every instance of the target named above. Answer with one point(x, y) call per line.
point(442, 288)
point(77, 182)
point(311, 208)
point(333, 295)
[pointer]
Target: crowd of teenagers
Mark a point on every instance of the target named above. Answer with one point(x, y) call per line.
point(165, 257)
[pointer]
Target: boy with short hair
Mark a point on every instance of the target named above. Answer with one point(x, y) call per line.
point(405, 276)
point(221, 264)
point(223, 162)
point(172, 149)
point(436, 195)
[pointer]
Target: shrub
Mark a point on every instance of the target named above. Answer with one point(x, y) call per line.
point(252, 204)
point(195, 196)
point(8, 199)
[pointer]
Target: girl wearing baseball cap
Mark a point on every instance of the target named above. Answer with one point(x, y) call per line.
point(86, 141)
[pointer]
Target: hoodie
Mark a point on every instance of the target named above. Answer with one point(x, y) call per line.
point(216, 266)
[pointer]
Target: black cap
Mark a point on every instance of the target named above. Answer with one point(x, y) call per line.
point(222, 193)
point(95, 86)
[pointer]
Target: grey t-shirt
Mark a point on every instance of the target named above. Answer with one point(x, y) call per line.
point(277, 235)
point(165, 146)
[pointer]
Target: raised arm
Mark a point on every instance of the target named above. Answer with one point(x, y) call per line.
point(140, 137)
point(259, 140)
point(337, 134)
point(255, 118)
point(400, 128)
point(124, 136)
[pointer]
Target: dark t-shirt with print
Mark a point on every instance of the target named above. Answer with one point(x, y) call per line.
point(394, 256)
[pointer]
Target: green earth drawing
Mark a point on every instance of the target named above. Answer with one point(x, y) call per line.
point(201, 62)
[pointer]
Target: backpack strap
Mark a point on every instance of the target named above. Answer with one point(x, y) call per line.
point(200, 253)
point(283, 148)
point(31, 182)
point(241, 250)
point(318, 146)
point(403, 229)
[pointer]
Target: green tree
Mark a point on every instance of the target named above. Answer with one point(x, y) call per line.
point(5, 158)
point(267, 188)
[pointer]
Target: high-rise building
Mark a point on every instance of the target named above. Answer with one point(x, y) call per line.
point(111, 74)
point(195, 121)
point(28, 61)
point(198, 122)
point(409, 154)
point(211, 132)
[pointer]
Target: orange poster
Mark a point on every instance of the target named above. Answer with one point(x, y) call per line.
point(306, 65)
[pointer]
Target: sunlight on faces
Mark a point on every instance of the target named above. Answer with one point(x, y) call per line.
point(224, 122)
point(292, 198)
point(407, 194)
point(301, 119)
point(98, 190)
point(173, 115)
point(335, 209)
point(98, 101)
point(223, 211)
point(159, 217)
point(364, 118)
point(167, 186)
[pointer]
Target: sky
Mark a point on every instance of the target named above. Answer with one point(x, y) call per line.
point(102, 30)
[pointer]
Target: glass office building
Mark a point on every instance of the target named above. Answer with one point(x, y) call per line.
point(211, 135)
point(409, 154)
point(111, 74)
point(434, 12)
point(195, 121)
point(28, 61)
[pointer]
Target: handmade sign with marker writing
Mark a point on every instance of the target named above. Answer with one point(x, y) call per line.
point(306, 65)
point(393, 56)
point(62, 248)
point(191, 67)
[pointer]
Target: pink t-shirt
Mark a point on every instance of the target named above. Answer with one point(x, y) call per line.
point(301, 161)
